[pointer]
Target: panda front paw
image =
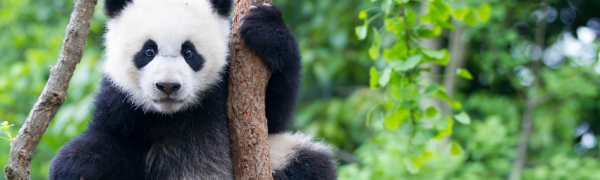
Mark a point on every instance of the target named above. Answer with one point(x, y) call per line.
point(264, 31)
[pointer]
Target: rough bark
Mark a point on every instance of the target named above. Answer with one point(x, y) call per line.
point(248, 77)
point(459, 49)
point(531, 103)
point(54, 93)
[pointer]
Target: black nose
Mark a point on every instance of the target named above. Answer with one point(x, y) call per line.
point(168, 87)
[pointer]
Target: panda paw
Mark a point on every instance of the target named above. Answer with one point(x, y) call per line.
point(264, 31)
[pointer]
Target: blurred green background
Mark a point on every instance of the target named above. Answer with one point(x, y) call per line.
point(336, 97)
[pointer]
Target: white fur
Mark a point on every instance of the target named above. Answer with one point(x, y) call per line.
point(169, 24)
point(284, 147)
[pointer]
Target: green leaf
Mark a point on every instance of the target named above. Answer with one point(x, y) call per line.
point(430, 33)
point(442, 95)
point(402, 1)
point(470, 18)
point(396, 119)
point(425, 18)
point(484, 12)
point(447, 131)
point(456, 149)
point(387, 6)
point(431, 88)
point(433, 54)
point(443, 61)
point(374, 51)
point(441, 11)
point(361, 31)
point(385, 77)
point(374, 82)
point(460, 13)
point(402, 66)
point(398, 51)
point(464, 74)
point(376, 46)
point(410, 166)
point(455, 104)
point(463, 118)
point(410, 18)
point(431, 112)
point(405, 93)
point(362, 15)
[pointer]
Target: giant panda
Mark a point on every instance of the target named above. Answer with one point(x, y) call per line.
point(160, 112)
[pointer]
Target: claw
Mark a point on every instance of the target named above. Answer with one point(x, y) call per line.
point(252, 8)
point(268, 5)
point(242, 23)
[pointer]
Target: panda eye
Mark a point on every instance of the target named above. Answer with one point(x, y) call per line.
point(187, 53)
point(150, 52)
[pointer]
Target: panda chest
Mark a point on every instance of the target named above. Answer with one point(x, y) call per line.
point(192, 157)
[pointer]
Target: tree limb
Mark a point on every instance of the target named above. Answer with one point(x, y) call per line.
point(531, 103)
point(54, 93)
point(248, 77)
point(459, 50)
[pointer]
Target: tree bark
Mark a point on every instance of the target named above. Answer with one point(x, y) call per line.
point(54, 93)
point(459, 49)
point(432, 76)
point(248, 77)
point(531, 103)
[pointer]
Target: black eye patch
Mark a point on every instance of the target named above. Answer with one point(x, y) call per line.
point(146, 54)
point(191, 56)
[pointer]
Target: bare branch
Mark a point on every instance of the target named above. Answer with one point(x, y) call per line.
point(54, 93)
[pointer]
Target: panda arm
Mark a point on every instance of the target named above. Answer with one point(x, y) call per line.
point(95, 155)
point(263, 30)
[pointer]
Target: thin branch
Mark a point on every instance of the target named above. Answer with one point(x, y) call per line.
point(54, 93)
point(406, 31)
point(531, 102)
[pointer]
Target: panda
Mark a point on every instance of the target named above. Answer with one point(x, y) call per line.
point(160, 113)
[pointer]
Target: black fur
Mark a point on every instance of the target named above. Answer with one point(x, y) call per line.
point(113, 8)
point(264, 31)
point(196, 61)
point(279, 175)
point(310, 164)
point(222, 7)
point(120, 136)
point(141, 58)
point(123, 142)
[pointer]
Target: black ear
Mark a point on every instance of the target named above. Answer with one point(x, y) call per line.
point(222, 7)
point(114, 7)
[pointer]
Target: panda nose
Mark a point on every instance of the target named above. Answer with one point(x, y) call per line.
point(168, 87)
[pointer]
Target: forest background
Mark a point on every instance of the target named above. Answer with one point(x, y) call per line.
point(534, 76)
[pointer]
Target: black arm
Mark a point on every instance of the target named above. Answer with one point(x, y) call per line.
point(96, 156)
point(263, 30)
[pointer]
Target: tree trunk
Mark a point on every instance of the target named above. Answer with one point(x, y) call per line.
point(54, 93)
point(531, 103)
point(248, 77)
point(459, 49)
point(432, 76)
point(434, 43)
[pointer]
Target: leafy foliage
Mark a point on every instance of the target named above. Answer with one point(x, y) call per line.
point(400, 80)
point(362, 90)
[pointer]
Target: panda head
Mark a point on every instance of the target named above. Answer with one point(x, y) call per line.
point(165, 54)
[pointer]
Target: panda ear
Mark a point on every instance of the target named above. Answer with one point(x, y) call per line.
point(114, 7)
point(222, 7)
